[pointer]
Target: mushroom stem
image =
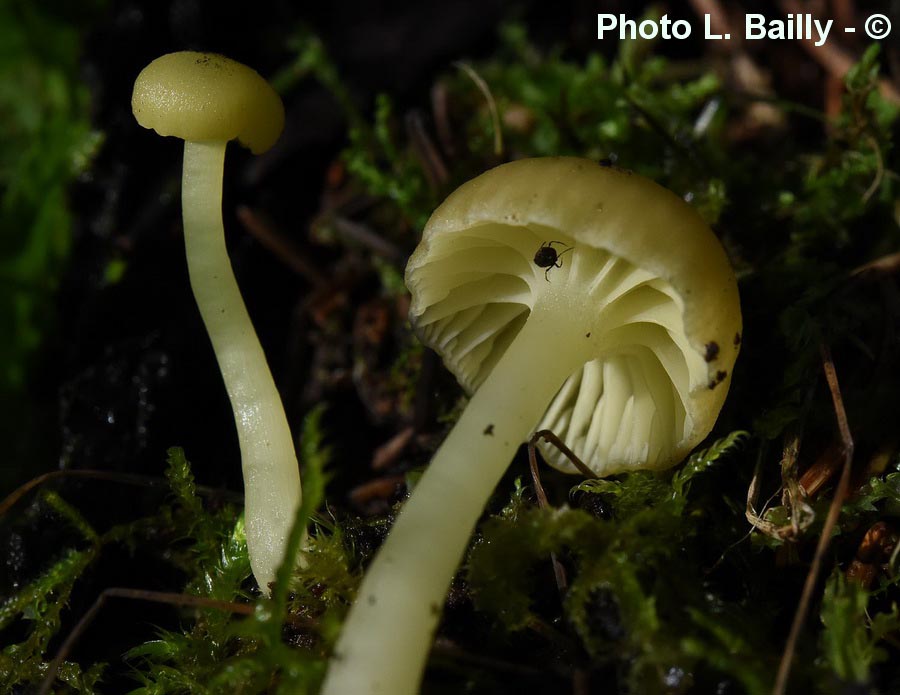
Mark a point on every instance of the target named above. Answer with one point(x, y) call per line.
point(405, 586)
point(271, 474)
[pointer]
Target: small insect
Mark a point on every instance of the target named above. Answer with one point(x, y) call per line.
point(548, 257)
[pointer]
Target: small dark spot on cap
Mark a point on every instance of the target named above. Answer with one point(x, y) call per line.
point(434, 608)
point(371, 599)
point(737, 339)
point(718, 378)
point(712, 351)
point(489, 430)
point(587, 335)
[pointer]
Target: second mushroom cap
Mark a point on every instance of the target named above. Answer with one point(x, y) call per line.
point(647, 285)
point(206, 97)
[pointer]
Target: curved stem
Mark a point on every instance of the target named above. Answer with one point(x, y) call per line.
point(271, 474)
point(389, 630)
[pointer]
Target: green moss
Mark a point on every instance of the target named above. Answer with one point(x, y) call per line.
point(851, 636)
point(638, 596)
point(220, 652)
point(48, 141)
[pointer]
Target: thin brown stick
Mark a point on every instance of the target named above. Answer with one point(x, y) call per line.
point(377, 489)
point(884, 265)
point(432, 163)
point(185, 600)
point(844, 15)
point(879, 171)
point(386, 454)
point(492, 105)
point(718, 18)
point(548, 436)
point(839, 412)
point(279, 245)
point(750, 512)
point(440, 109)
point(123, 478)
point(363, 234)
point(543, 502)
point(834, 59)
point(444, 647)
point(840, 493)
point(559, 572)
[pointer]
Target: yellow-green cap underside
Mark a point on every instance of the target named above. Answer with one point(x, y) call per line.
point(204, 97)
point(673, 310)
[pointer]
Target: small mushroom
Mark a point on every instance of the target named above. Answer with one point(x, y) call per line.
point(608, 350)
point(207, 100)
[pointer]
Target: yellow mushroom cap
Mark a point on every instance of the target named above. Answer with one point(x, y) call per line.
point(658, 292)
point(205, 97)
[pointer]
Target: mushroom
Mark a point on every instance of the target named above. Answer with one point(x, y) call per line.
point(207, 100)
point(608, 346)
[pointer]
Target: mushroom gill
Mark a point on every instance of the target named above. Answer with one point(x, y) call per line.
point(625, 409)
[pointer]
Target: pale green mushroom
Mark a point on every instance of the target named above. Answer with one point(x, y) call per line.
point(207, 100)
point(625, 350)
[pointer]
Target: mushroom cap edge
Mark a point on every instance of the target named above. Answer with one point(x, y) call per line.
point(629, 216)
point(206, 97)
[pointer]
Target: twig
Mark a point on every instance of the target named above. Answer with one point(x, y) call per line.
point(123, 478)
point(279, 245)
point(547, 435)
point(834, 59)
point(362, 234)
point(377, 489)
point(145, 595)
point(559, 572)
point(492, 105)
point(879, 171)
point(444, 647)
point(543, 502)
point(844, 15)
point(388, 452)
point(440, 111)
point(718, 18)
point(840, 493)
point(885, 264)
point(427, 154)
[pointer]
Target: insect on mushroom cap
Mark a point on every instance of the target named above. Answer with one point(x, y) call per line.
point(657, 285)
point(205, 97)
